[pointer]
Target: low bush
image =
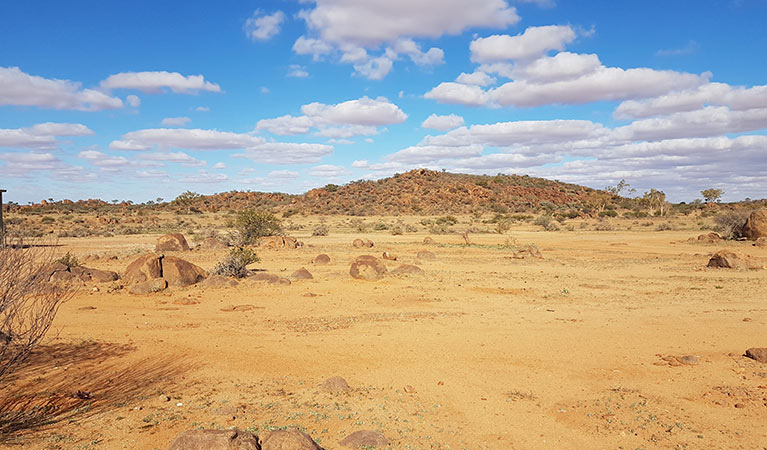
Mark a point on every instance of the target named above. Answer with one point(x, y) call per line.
point(729, 224)
point(236, 262)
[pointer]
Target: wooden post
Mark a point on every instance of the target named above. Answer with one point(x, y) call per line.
point(2, 224)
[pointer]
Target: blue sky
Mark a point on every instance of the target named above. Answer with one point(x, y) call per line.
point(139, 100)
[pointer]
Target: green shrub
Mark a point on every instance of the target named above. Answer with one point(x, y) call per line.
point(321, 230)
point(69, 260)
point(542, 221)
point(729, 224)
point(236, 262)
point(446, 220)
point(255, 224)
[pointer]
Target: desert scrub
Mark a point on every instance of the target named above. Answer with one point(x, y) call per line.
point(236, 262)
point(253, 224)
point(729, 224)
point(68, 260)
point(320, 230)
point(543, 221)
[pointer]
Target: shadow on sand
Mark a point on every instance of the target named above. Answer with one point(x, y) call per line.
point(73, 381)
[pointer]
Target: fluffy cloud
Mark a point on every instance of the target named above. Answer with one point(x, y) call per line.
point(359, 117)
point(133, 100)
point(327, 171)
point(560, 67)
point(21, 89)
point(286, 153)
point(175, 121)
point(711, 94)
point(205, 177)
point(433, 153)
point(264, 27)
point(461, 94)
point(105, 162)
point(196, 139)
point(476, 78)
point(41, 136)
point(173, 157)
point(286, 125)
point(334, 27)
point(339, 21)
point(605, 83)
point(531, 44)
point(297, 71)
point(442, 123)
point(154, 82)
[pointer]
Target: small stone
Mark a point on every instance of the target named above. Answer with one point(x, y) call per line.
point(365, 439)
point(409, 389)
point(335, 385)
point(689, 360)
point(757, 354)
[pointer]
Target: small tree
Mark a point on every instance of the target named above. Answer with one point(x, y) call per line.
point(187, 199)
point(28, 301)
point(255, 224)
point(712, 195)
point(655, 202)
point(236, 263)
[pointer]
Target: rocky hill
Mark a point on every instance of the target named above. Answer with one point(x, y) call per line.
point(418, 192)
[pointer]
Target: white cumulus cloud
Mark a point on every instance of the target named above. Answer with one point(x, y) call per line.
point(442, 123)
point(155, 82)
point(264, 27)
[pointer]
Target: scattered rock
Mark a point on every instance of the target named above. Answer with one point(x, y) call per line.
point(263, 276)
point(148, 287)
point(289, 440)
point(86, 308)
point(173, 242)
point(211, 243)
point(218, 281)
point(279, 242)
point(367, 267)
point(761, 242)
point(757, 354)
point(362, 243)
point(756, 225)
point(529, 251)
point(425, 254)
point(689, 360)
point(708, 238)
point(365, 439)
point(238, 308)
point(216, 440)
point(675, 361)
point(302, 274)
point(102, 276)
point(726, 259)
point(409, 389)
point(388, 256)
point(178, 272)
point(144, 268)
point(321, 259)
point(408, 269)
point(185, 302)
point(429, 241)
point(335, 385)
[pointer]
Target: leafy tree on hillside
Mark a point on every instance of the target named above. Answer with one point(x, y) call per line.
point(712, 195)
point(255, 224)
point(655, 202)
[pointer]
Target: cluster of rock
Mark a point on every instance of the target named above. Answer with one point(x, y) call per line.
point(756, 225)
point(362, 243)
point(155, 271)
point(58, 272)
point(289, 439)
point(370, 268)
point(279, 242)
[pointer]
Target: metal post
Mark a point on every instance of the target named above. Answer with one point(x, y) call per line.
point(2, 224)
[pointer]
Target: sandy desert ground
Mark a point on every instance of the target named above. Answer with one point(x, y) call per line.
point(575, 350)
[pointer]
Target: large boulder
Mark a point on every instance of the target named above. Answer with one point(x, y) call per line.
point(757, 354)
point(215, 440)
point(175, 271)
point(178, 272)
point(708, 238)
point(335, 385)
point(429, 241)
point(289, 440)
point(365, 439)
point(756, 225)
point(279, 242)
point(368, 268)
point(302, 274)
point(408, 269)
point(362, 243)
point(144, 268)
point(321, 259)
point(726, 259)
point(148, 287)
point(58, 272)
point(425, 254)
point(102, 276)
point(173, 242)
point(211, 243)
